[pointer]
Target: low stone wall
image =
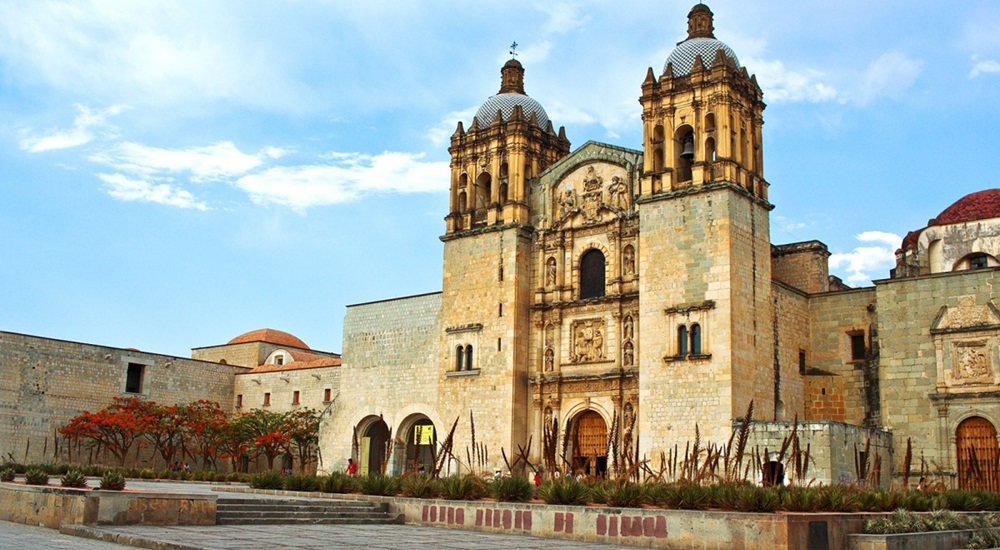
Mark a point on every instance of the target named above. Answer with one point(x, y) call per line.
point(937, 540)
point(645, 527)
point(55, 506)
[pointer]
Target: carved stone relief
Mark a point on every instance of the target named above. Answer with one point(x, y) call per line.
point(971, 361)
point(588, 341)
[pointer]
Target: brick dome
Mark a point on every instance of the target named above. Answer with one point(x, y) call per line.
point(270, 336)
point(980, 205)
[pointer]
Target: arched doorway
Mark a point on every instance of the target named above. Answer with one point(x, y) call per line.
point(373, 447)
point(590, 445)
point(420, 438)
point(976, 442)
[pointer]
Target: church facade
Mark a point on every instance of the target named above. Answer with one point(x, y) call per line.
point(605, 300)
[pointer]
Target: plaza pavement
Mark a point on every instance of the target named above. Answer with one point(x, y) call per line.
point(14, 536)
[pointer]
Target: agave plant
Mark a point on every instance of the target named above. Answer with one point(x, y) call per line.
point(112, 481)
point(36, 476)
point(74, 478)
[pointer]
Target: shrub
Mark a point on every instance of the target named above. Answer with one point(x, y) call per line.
point(837, 498)
point(339, 482)
point(234, 476)
point(462, 487)
point(685, 495)
point(512, 489)
point(302, 483)
point(267, 480)
point(147, 473)
point(378, 484)
point(36, 476)
point(626, 494)
point(74, 478)
point(420, 486)
point(564, 491)
point(18, 468)
point(598, 491)
point(112, 481)
point(7, 473)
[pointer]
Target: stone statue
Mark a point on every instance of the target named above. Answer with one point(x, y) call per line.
point(618, 192)
point(550, 272)
point(627, 333)
point(549, 360)
point(628, 261)
point(628, 355)
point(567, 201)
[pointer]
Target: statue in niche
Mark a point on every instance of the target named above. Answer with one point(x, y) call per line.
point(628, 356)
point(588, 341)
point(550, 360)
point(627, 326)
point(550, 272)
point(548, 417)
point(628, 261)
point(628, 415)
point(618, 192)
point(567, 202)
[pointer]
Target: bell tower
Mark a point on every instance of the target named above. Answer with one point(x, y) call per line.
point(486, 287)
point(511, 140)
point(704, 240)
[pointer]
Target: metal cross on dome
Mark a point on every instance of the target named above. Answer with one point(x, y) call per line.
point(513, 50)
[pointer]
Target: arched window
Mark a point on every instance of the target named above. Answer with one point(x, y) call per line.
point(462, 202)
point(484, 189)
point(468, 357)
point(658, 148)
point(709, 122)
point(695, 339)
point(592, 274)
point(503, 193)
point(682, 340)
point(459, 356)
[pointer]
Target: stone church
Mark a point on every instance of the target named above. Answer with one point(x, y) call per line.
point(610, 298)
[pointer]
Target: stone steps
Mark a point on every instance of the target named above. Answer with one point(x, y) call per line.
point(276, 511)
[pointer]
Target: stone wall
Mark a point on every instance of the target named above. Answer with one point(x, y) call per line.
point(391, 369)
point(832, 448)
point(835, 316)
point(791, 336)
point(46, 382)
point(802, 265)
point(924, 324)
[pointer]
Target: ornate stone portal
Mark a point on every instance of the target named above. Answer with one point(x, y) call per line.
point(588, 341)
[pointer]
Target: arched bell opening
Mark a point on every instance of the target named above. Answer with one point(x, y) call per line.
point(684, 157)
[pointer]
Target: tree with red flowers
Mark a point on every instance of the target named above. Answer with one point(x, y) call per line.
point(303, 431)
point(205, 428)
point(267, 432)
point(115, 428)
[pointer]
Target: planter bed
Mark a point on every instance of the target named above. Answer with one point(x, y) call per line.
point(51, 506)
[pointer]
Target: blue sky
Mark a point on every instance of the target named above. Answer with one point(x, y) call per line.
point(173, 174)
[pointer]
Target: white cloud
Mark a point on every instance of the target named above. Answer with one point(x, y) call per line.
point(83, 131)
point(781, 84)
point(211, 162)
point(890, 76)
point(122, 188)
point(986, 66)
point(347, 177)
point(865, 263)
point(440, 134)
point(563, 17)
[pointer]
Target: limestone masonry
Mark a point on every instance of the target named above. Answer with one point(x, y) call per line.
point(604, 300)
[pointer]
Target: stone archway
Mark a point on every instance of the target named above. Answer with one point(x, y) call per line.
point(419, 439)
point(373, 447)
point(977, 454)
point(590, 444)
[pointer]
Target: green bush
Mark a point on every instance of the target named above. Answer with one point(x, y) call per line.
point(339, 482)
point(564, 491)
point(462, 487)
point(36, 476)
point(18, 468)
point(625, 494)
point(512, 489)
point(837, 498)
point(378, 484)
point(147, 473)
point(685, 495)
point(799, 499)
point(74, 478)
point(112, 481)
point(598, 491)
point(306, 483)
point(234, 476)
point(267, 480)
point(420, 486)
point(7, 473)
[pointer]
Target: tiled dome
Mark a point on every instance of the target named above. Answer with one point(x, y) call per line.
point(505, 103)
point(980, 205)
point(682, 58)
point(511, 95)
point(270, 336)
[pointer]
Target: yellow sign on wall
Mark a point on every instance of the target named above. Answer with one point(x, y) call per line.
point(423, 435)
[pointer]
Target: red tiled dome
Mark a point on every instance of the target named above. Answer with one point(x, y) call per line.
point(270, 336)
point(980, 205)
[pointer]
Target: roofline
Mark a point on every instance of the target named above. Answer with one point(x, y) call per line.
point(126, 350)
point(395, 299)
